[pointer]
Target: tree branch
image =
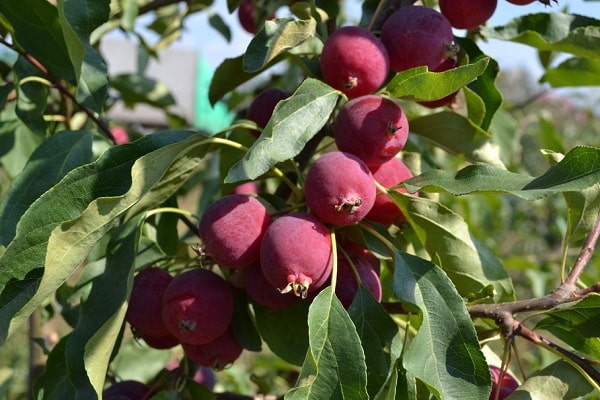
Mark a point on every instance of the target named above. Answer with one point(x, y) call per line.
point(61, 88)
point(585, 255)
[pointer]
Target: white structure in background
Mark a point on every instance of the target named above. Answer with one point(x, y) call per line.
point(183, 71)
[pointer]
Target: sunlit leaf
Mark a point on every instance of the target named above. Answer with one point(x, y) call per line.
point(294, 122)
point(445, 235)
point(90, 345)
point(578, 170)
point(576, 71)
point(334, 367)
point(445, 353)
point(62, 226)
point(422, 85)
point(576, 325)
point(557, 32)
point(557, 381)
point(274, 38)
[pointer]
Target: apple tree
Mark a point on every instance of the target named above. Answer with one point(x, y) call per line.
point(383, 219)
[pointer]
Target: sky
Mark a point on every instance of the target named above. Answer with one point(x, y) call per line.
point(215, 48)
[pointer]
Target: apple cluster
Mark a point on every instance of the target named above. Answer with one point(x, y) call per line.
point(280, 255)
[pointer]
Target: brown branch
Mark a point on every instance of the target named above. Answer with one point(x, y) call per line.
point(585, 254)
point(586, 365)
point(61, 88)
point(565, 293)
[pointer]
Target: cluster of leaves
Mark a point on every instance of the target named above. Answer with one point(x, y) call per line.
point(78, 217)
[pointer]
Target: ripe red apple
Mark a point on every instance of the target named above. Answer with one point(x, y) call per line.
point(416, 36)
point(372, 127)
point(339, 188)
point(354, 61)
point(467, 14)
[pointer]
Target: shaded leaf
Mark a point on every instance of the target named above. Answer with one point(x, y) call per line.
point(578, 170)
point(576, 71)
point(557, 32)
point(220, 26)
point(489, 99)
point(32, 97)
point(422, 85)
point(48, 164)
point(228, 76)
point(54, 384)
point(458, 136)
point(140, 89)
point(294, 122)
point(445, 235)
point(445, 353)
point(78, 19)
point(576, 325)
point(274, 38)
point(37, 28)
point(334, 367)
point(242, 323)
point(380, 339)
point(285, 331)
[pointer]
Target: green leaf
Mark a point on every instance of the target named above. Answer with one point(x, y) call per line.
point(101, 316)
point(380, 339)
point(78, 19)
point(140, 89)
point(274, 38)
point(445, 353)
point(5, 89)
point(37, 28)
point(489, 98)
point(458, 136)
point(578, 170)
point(285, 331)
point(576, 325)
point(421, 85)
point(242, 323)
point(582, 212)
point(294, 122)
point(54, 383)
point(129, 10)
point(229, 75)
point(59, 229)
point(220, 26)
point(556, 32)
point(48, 164)
point(445, 235)
point(576, 71)
point(32, 97)
point(557, 381)
point(334, 367)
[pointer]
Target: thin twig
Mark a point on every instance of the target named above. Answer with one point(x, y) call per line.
point(61, 88)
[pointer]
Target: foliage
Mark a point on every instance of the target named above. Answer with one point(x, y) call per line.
point(509, 195)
